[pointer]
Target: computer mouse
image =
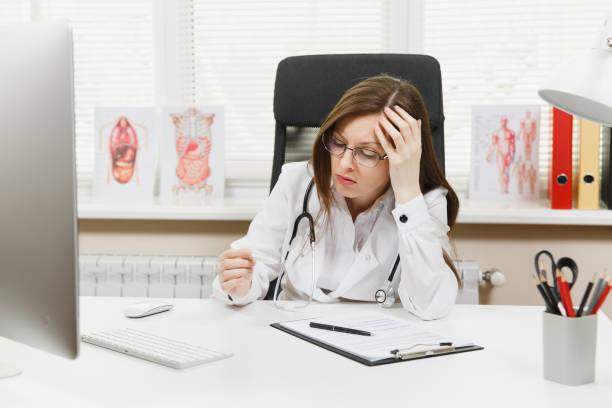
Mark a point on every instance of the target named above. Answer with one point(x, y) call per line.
point(147, 308)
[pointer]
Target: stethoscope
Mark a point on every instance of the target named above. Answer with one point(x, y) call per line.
point(385, 296)
point(311, 237)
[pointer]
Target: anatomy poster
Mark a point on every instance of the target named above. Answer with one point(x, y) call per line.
point(192, 152)
point(505, 153)
point(126, 155)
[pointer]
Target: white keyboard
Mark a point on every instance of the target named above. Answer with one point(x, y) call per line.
point(161, 350)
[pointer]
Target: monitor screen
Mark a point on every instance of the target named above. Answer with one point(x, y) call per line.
point(38, 241)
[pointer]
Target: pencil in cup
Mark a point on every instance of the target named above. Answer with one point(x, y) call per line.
point(549, 301)
point(585, 297)
point(597, 291)
point(565, 295)
point(602, 298)
point(568, 294)
point(551, 295)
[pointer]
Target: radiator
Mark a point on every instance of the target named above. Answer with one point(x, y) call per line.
point(190, 277)
point(146, 276)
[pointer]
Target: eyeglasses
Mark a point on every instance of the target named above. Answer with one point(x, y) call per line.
point(363, 157)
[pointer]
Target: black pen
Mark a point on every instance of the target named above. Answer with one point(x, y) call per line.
point(587, 292)
point(339, 329)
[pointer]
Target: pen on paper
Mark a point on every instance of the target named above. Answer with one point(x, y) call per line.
point(339, 329)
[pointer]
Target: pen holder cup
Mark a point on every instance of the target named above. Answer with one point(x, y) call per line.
point(569, 348)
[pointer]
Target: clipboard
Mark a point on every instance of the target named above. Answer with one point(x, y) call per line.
point(359, 359)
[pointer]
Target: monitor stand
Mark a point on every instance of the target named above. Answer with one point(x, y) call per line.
point(7, 371)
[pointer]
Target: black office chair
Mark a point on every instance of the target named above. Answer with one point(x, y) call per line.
point(307, 88)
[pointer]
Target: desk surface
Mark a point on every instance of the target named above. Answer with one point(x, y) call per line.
point(270, 368)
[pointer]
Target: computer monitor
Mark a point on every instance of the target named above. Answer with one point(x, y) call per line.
point(38, 241)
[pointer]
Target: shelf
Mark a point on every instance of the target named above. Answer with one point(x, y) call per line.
point(229, 209)
point(536, 213)
point(235, 209)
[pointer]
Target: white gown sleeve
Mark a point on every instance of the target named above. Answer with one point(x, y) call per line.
point(265, 239)
point(427, 288)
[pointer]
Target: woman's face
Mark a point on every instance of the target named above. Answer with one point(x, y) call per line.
point(352, 180)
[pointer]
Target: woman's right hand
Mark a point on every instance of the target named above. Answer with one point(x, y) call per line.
point(235, 270)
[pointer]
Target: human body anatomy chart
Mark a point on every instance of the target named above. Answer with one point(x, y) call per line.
point(192, 155)
point(126, 154)
point(505, 152)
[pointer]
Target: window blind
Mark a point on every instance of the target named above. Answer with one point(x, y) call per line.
point(113, 60)
point(229, 53)
point(12, 12)
point(495, 53)
point(113, 63)
point(490, 53)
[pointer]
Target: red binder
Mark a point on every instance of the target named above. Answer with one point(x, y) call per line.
point(560, 181)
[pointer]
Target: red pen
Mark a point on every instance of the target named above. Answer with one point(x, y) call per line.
point(564, 294)
point(561, 291)
point(602, 297)
point(568, 296)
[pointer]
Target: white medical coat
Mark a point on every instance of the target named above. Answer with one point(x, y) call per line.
point(353, 259)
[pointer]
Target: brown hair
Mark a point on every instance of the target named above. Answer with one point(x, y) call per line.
point(371, 96)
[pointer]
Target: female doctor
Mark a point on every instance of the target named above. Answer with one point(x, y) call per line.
point(381, 204)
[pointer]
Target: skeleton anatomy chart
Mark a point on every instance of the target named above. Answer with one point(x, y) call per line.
point(505, 153)
point(192, 155)
point(125, 154)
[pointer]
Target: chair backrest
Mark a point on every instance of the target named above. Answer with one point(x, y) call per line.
point(307, 88)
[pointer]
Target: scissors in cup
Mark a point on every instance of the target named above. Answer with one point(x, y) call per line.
point(546, 272)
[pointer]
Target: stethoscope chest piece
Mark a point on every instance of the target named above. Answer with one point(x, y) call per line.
point(381, 296)
point(385, 297)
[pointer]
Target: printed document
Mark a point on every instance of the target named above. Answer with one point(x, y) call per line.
point(388, 333)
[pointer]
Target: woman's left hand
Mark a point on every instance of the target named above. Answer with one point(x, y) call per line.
point(405, 157)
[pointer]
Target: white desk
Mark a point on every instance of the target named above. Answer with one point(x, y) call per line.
point(270, 367)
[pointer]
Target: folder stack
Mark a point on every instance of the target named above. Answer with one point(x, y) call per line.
point(591, 183)
point(560, 182)
point(606, 168)
point(588, 176)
